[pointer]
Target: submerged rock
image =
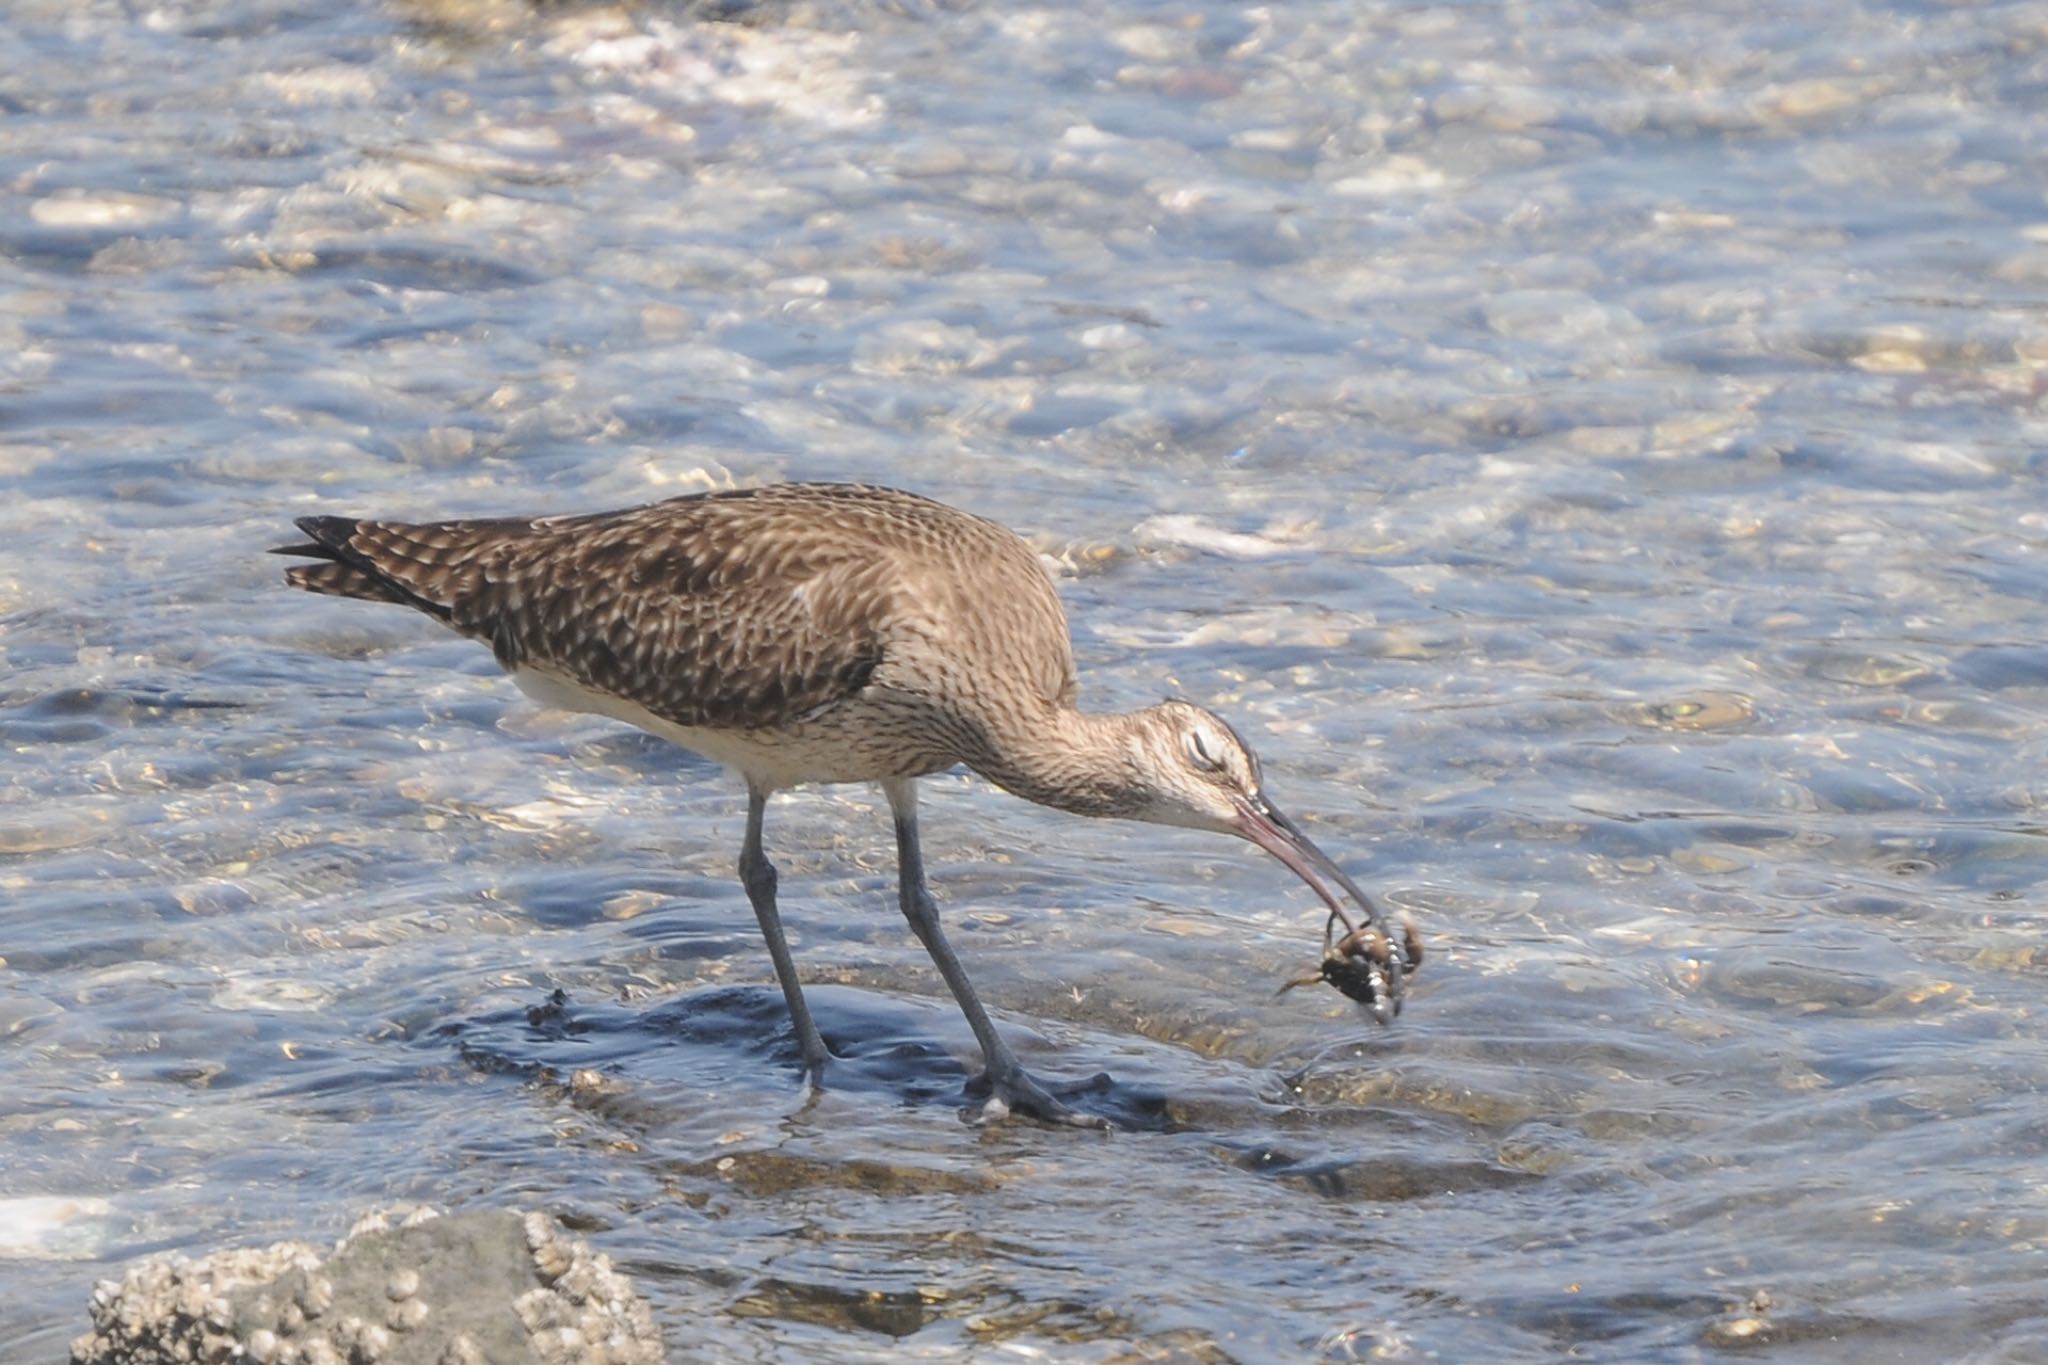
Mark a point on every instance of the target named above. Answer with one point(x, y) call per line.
point(492, 1285)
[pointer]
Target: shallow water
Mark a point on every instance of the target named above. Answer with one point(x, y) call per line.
point(1591, 451)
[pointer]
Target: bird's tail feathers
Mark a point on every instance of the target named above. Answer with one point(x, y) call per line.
point(348, 570)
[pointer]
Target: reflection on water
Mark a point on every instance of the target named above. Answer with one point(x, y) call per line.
point(1591, 451)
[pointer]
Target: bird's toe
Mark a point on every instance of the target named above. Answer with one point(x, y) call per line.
point(1021, 1094)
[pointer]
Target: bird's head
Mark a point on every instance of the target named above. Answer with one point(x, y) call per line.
point(1199, 774)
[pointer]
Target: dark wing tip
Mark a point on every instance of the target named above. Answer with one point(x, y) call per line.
point(330, 536)
point(332, 532)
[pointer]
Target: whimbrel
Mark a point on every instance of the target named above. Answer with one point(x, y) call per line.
point(830, 633)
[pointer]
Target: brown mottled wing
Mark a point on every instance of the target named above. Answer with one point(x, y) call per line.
point(726, 610)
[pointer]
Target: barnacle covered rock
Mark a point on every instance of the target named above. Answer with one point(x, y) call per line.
point(410, 1288)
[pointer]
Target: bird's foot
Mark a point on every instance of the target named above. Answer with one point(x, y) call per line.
point(1018, 1092)
point(816, 1057)
point(811, 1086)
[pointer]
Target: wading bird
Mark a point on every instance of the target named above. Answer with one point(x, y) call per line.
point(832, 633)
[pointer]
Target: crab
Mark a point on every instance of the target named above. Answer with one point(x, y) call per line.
point(1365, 964)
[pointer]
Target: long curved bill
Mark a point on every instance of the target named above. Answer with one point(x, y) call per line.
point(1260, 821)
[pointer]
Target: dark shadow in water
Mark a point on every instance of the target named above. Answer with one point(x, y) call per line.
point(880, 1046)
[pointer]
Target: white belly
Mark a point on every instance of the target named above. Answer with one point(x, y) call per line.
point(842, 751)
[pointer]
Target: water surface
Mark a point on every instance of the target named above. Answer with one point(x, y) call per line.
point(1591, 450)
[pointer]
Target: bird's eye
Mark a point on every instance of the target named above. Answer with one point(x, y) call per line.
point(1202, 751)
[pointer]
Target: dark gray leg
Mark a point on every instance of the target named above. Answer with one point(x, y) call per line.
point(757, 874)
point(1010, 1085)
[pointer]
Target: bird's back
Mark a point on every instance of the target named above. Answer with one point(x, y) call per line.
point(755, 610)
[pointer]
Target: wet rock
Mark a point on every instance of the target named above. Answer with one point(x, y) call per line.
point(1760, 978)
point(1737, 1330)
point(487, 1285)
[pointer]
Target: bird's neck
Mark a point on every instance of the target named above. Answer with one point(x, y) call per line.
point(1071, 760)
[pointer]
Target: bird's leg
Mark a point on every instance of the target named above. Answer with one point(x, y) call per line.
point(1008, 1082)
point(757, 874)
